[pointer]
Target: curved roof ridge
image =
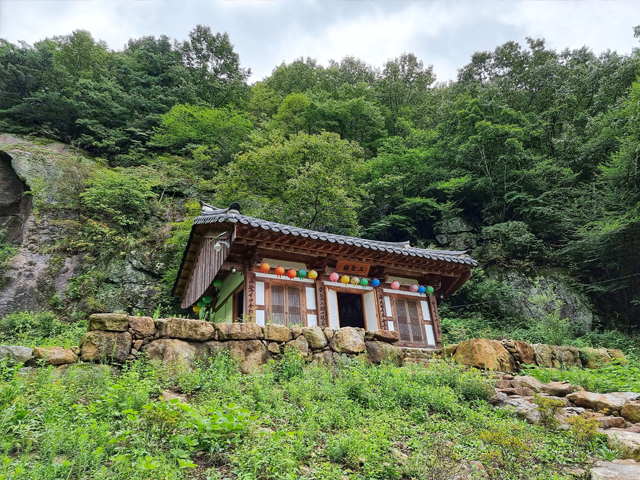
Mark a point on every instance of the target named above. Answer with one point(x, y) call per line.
point(211, 214)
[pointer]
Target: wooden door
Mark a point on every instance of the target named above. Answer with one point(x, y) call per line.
point(409, 321)
point(285, 305)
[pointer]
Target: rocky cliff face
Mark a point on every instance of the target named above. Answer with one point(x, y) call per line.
point(39, 208)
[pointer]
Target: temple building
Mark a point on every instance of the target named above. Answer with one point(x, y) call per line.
point(238, 268)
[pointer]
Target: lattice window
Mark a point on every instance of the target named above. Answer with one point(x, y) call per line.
point(285, 305)
point(409, 321)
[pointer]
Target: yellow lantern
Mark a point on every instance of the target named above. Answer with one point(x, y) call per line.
point(345, 279)
point(312, 275)
point(196, 309)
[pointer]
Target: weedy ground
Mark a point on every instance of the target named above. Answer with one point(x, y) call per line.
point(292, 420)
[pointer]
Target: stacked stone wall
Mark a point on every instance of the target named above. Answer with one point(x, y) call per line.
point(118, 338)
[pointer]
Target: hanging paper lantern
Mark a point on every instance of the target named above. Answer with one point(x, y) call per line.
point(375, 282)
point(334, 277)
point(302, 273)
point(355, 281)
point(201, 304)
point(265, 267)
point(364, 282)
point(395, 285)
point(207, 298)
point(312, 275)
point(422, 289)
point(292, 274)
point(414, 288)
point(279, 271)
point(345, 279)
point(196, 309)
point(217, 284)
point(430, 290)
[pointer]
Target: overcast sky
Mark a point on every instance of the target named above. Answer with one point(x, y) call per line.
point(265, 33)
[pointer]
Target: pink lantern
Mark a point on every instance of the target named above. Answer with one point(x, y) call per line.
point(414, 288)
point(395, 285)
point(334, 277)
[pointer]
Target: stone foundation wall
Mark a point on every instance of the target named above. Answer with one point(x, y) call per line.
point(118, 338)
point(510, 355)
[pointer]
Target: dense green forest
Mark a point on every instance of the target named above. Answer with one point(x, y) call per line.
point(531, 157)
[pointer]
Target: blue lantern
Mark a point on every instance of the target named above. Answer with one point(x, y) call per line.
point(422, 289)
point(375, 282)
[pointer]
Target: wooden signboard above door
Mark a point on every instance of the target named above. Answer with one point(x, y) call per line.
point(353, 268)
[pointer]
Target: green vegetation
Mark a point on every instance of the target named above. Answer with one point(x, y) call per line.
point(614, 377)
point(314, 422)
point(39, 329)
point(529, 160)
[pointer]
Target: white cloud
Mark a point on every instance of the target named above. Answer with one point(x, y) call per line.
point(265, 33)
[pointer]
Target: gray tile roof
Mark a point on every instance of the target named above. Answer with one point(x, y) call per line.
point(212, 214)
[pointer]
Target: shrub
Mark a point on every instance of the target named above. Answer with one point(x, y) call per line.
point(119, 198)
point(548, 408)
point(19, 325)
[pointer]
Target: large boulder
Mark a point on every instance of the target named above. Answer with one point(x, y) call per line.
point(567, 356)
point(276, 333)
point(482, 353)
point(250, 354)
point(238, 331)
point(616, 470)
point(97, 346)
point(109, 322)
point(185, 329)
point(388, 336)
point(557, 389)
point(525, 352)
point(300, 344)
point(348, 340)
point(612, 402)
point(383, 352)
point(16, 354)
point(315, 336)
point(631, 412)
point(527, 382)
point(594, 357)
point(627, 443)
point(544, 355)
point(142, 326)
point(55, 355)
point(171, 351)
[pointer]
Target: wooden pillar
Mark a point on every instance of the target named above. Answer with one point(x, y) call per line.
point(435, 319)
point(321, 299)
point(249, 292)
point(382, 313)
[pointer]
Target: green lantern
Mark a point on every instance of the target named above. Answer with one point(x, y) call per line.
point(201, 304)
point(364, 282)
point(302, 273)
point(207, 298)
point(217, 283)
point(430, 290)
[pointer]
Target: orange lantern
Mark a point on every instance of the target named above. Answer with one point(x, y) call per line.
point(312, 274)
point(265, 267)
point(292, 274)
point(345, 279)
point(279, 271)
point(196, 309)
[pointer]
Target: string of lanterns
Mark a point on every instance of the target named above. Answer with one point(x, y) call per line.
point(344, 279)
point(312, 274)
